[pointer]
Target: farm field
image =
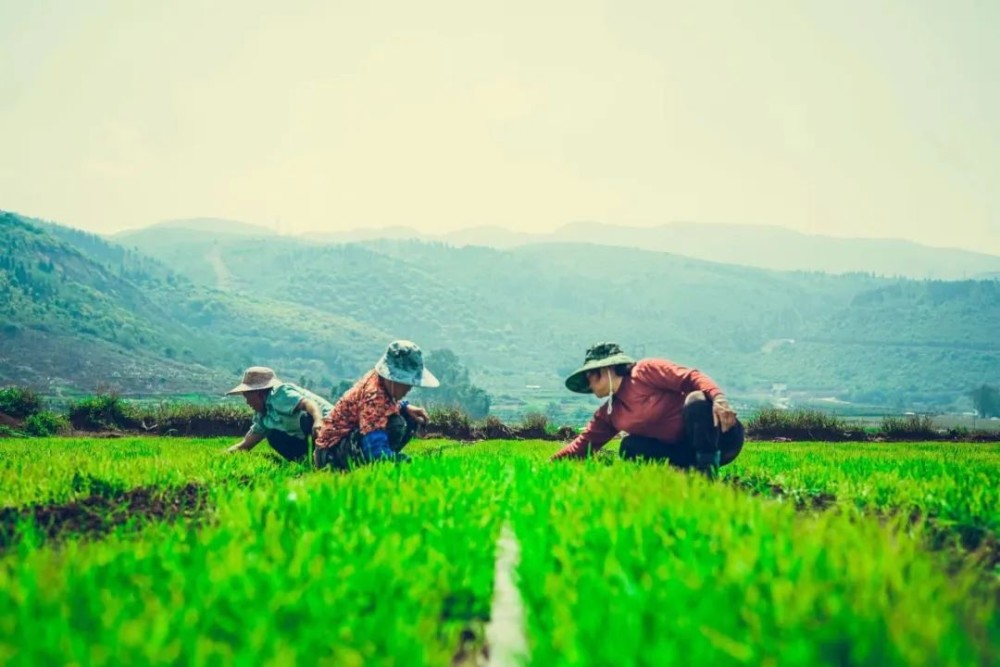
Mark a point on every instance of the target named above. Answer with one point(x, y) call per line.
point(140, 550)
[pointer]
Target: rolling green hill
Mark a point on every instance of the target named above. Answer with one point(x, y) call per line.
point(80, 313)
point(518, 318)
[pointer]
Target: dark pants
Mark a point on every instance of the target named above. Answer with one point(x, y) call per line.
point(292, 447)
point(347, 453)
point(700, 435)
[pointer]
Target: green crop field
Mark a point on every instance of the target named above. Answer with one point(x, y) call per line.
point(167, 550)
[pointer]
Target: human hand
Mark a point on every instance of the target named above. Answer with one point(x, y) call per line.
point(235, 448)
point(723, 414)
point(418, 415)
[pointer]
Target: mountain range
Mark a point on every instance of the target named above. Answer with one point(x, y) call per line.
point(182, 307)
point(761, 246)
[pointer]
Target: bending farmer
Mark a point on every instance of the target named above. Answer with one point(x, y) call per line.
point(670, 412)
point(284, 413)
point(371, 422)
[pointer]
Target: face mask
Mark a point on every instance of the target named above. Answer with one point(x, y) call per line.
point(611, 392)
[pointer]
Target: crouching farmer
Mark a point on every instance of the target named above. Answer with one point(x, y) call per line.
point(670, 412)
point(371, 421)
point(284, 413)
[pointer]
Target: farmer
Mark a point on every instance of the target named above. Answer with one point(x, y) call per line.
point(284, 413)
point(670, 412)
point(371, 421)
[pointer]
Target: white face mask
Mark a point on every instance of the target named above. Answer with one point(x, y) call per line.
point(611, 391)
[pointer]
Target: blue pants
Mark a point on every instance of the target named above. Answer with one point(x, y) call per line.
point(348, 453)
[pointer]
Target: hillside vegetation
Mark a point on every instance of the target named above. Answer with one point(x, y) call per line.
point(178, 301)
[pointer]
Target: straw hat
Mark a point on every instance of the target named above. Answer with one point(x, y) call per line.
point(255, 378)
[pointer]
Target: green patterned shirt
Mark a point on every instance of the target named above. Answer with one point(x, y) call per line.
point(279, 410)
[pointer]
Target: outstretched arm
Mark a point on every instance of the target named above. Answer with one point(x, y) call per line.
point(249, 441)
point(594, 436)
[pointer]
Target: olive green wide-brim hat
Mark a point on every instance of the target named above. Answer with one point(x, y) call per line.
point(598, 356)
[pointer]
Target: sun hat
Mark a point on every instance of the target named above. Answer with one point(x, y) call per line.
point(403, 362)
point(254, 378)
point(600, 355)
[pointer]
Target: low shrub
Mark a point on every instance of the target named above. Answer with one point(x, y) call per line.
point(100, 412)
point(193, 420)
point(533, 425)
point(19, 401)
point(45, 423)
point(908, 427)
point(801, 425)
point(492, 428)
point(451, 422)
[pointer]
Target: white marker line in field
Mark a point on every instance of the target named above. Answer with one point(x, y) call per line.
point(505, 631)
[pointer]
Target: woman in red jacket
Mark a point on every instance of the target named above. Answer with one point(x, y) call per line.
point(670, 412)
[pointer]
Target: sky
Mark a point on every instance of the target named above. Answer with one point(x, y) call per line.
point(856, 118)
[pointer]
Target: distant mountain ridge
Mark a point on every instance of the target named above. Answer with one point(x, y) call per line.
point(174, 229)
point(761, 246)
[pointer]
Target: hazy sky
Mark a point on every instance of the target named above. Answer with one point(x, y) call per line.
point(848, 118)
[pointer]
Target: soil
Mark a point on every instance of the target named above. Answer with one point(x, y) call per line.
point(472, 651)
point(814, 501)
point(97, 515)
point(978, 546)
point(7, 420)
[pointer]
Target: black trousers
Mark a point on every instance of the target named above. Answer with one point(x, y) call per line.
point(347, 453)
point(699, 435)
point(293, 447)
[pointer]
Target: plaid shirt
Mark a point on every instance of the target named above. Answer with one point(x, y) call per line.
point(366, 406)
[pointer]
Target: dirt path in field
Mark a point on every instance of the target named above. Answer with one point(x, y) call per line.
point(97, 515)
point(500, 641)
point(505, 632)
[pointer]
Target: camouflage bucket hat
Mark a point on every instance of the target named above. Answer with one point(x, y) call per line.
point(403, 362)
point(598, 356)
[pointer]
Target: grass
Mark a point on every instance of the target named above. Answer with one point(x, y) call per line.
point(677, 571)
point(620, 563)
point(957, 483)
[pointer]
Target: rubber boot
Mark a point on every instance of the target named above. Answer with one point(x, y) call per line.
point(707, 463)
